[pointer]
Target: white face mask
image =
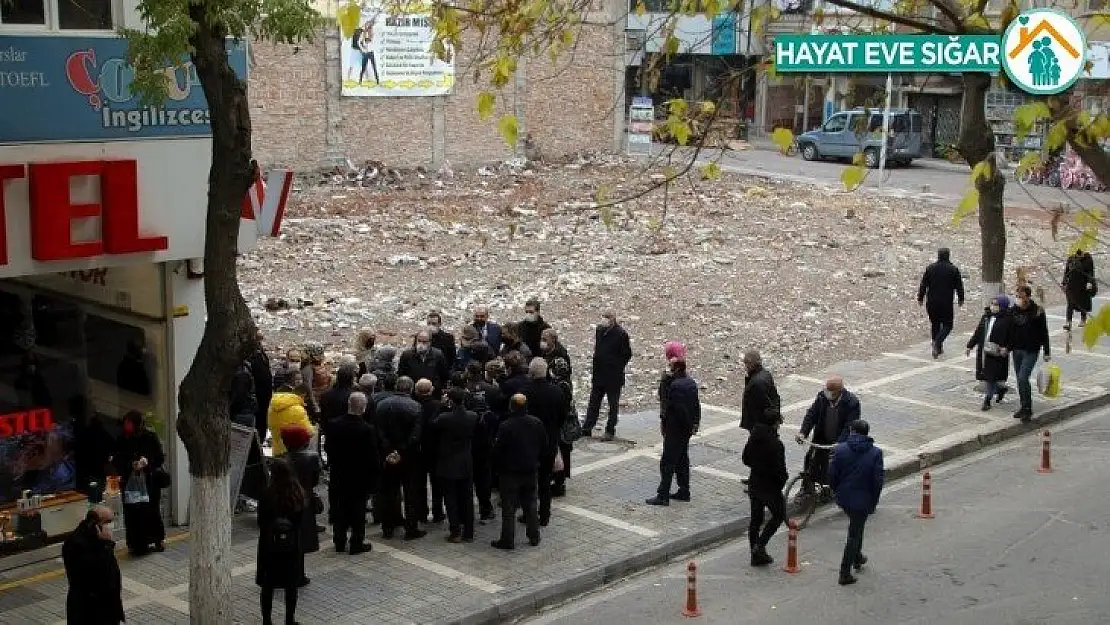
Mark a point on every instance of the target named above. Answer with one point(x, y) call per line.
point(543, 345)
point(530, 318)
point(995, 308)
point(606, 323)
point(421, 348)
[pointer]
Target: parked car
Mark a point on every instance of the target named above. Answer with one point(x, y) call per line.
point(847, 133)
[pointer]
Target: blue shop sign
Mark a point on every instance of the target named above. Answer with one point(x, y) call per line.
point(55, 89)
point(724, 34)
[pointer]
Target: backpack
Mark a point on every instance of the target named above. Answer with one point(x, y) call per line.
point(572, 427)
point(283, 536)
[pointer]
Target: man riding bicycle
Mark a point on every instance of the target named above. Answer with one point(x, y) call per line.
point(828, 419)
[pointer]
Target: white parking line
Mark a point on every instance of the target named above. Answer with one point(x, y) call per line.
point(608, 520)
point(927, 405)
point(728, 475)
point(438, 569)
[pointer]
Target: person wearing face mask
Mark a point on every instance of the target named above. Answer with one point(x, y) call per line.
point(488, 331)
point(679, 420)
point(828, 418)
point(138, 451)
point(422, 361)
point(612, 351)
point(441, 340)
point(531, 329)
point(551, 349)
point(1027, 336)
point(95, 584)
point(992, 358)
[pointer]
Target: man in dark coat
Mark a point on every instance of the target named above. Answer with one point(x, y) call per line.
point(521, 441)
point(485, 395)
point(333, 402)
point(1027, 336)
point(992, 358)
point(856, 476)
point(422, 361)
point(547, 403)
point(761, 398)
point(95, 594)
point(352, 454)
point(941, 281)
point(612, 351)
point(680, 419)
point(429, 453)
point(1079, 286)
point(456, 432)
point(263, 387)
point(765, 455)
point(488, 331)
point(398, 419)
point(242, 404)
point(442, 340)
point(531, 329)
point(516, 375)
point(827, 418)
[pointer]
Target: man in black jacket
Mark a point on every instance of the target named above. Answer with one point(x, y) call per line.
point(429, 452)
point(353, 457)
point(441, 340)
point(549, 404)
point(1028, 335)
point(456, 432)
point(761, 399)
point(681, 418)
point(612, 351)
point(398, 419)
point(765, 455)
point(940, 282)
point(828, 419)
point(521, 440)
point(531, 329)
point(333, 402)
point(422, 361)
point(263, 387)
point(95, 584)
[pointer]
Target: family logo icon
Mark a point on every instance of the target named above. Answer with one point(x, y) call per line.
point(1044, 51)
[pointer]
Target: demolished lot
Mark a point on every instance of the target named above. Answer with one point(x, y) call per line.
point(808, 275)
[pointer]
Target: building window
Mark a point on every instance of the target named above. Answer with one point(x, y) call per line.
point(23, 12)
point(1095, 5)
point(85, 14)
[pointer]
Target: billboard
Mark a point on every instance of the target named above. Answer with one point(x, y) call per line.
point(79, 89)
point(386, 51)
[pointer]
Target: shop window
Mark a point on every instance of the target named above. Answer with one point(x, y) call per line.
point(116, 354)
point(57, 325)
point(85, 14)
point(23, 12)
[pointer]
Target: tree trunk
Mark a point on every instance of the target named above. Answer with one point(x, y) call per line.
point(977, 145)
point(229, 331)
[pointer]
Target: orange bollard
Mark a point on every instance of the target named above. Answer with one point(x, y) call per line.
point(1046, 453)
point(926, 511)
point(791, 549)
point(691, 609)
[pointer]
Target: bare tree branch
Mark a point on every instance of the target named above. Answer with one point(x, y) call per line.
point(920, 25)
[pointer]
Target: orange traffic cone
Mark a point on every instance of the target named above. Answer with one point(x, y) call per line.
point(926, 511)
point(1046, 453)
point(791, 548)
point(691, 609)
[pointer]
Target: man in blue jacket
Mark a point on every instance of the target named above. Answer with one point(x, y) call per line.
point(828, 419)
point(856, 475)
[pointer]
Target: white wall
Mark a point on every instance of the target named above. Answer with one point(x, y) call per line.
point(694, 33)
point(185, 334)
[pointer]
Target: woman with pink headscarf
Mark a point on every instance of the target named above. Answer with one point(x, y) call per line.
point(679, 419)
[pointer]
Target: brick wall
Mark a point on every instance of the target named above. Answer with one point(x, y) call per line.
point(567, 107)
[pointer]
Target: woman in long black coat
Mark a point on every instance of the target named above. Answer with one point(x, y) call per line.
point(1079, 286)
point(992, 365)
point(280, 555)
point(138, 450)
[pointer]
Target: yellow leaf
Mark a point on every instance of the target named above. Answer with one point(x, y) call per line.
point(680, 130)
point(967, 207)
point(509, 128)
point(1097, 326)
point(1027, 115)
point(818, 16)
point(602, 194)
point(486, 101)
point(567, 38)
point(670, 172)
point(677, 107)
point(1029, 161)
point(641, 8)
point(858, 159)
point(707, 107)
point(710, 171)
point(981, 172)
point(1089, 218)
point(977, 21)
point(671, 45)
point(783, 138)
point(852, 177)
point(1087, 240)
point(1008, 15)
point(1100, 19)
point(1057, 135)
point(607, 217)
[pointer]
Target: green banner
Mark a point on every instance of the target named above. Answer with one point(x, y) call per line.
point(853, 54)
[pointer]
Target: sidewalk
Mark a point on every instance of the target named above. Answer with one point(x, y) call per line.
point(921, 412)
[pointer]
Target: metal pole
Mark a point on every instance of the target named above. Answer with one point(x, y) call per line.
point(805, 105)
point(886, 127)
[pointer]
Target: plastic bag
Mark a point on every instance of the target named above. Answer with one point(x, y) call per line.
point(135, 491)
point(558, 467)
point(1051, 388)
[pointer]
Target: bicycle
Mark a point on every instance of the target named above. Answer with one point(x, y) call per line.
point(801, 497)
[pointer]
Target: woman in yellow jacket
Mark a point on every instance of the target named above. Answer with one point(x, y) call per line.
point(287, 408)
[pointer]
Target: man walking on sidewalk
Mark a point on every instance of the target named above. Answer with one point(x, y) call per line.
point(942, 279)
point(856, 476)
point(1028, 334)
point(612, 351)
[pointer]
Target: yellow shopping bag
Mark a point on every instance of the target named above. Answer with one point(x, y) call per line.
point(1051, 388)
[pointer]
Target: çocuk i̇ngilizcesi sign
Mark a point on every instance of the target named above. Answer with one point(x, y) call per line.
point(56, 89)
point(1043, 52)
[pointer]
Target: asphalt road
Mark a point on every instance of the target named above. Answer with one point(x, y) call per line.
point(1008, 546)
point(934, 181)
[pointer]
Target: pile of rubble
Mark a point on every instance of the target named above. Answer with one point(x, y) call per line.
point(807, 275)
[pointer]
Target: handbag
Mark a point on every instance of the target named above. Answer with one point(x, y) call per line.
point(558, 466)
point(135, 491)
point(1048, 381)
point(571, 429)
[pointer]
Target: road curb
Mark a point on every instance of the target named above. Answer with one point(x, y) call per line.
point(530, 603)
